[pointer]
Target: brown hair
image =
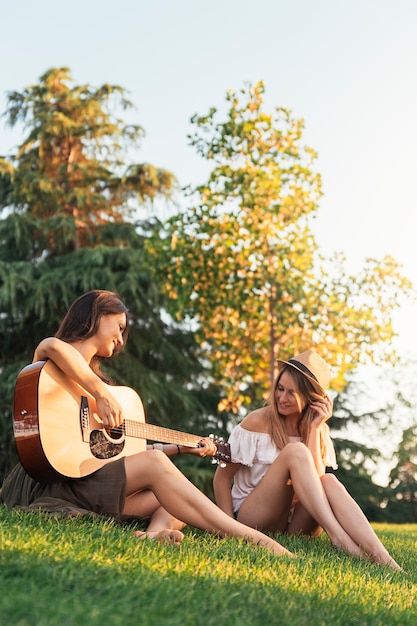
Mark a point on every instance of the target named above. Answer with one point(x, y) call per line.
point(277, 424)
point(82, 319)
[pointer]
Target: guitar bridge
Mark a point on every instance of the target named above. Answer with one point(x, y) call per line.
point(85, 419)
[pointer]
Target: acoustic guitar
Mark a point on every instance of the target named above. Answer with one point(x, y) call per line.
point(59, 435)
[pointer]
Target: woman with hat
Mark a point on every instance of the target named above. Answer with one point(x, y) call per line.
point(278, 470)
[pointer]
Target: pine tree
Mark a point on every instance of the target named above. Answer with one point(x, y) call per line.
point(68, 206)
point(402, 505)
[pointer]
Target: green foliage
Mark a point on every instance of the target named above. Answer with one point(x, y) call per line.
point(70, 172)
point(68, 201)
point(405, 474)
point(243, 262)
point(92, 571)
point(403, 479)
point(397, 502)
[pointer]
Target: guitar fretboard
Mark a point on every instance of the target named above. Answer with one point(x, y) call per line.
point(158, 433)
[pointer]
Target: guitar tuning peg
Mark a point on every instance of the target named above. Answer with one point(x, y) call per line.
point(222, 464)
point(213, 461)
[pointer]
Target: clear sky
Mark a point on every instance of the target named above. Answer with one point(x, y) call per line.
point(348, 67)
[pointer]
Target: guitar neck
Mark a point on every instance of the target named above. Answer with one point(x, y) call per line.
point(43, 394)
point(142, 430)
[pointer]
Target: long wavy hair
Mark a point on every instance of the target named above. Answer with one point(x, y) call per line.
point(83, 317)
point(278, 428)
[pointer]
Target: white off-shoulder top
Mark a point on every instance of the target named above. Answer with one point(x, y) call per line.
point(256, 452)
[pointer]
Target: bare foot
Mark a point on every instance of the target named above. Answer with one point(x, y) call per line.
point(391, 563)
point(164, 536)
point(346, 544)
point(285, 552)
point(275, 547)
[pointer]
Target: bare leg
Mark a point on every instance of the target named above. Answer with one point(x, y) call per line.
point(302, 523)
point(165, 527)
point(154, 471)
point(353, 520)
point(296, 462)
point(323, 503)
point(161, 520)
point(162, 526)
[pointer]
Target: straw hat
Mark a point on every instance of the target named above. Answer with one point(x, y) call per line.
point(313, 367)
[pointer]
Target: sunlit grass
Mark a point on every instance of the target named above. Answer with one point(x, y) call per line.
point(93, 572)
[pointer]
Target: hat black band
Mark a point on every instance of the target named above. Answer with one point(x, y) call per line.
point(303, 368)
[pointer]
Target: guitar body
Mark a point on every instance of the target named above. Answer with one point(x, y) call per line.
point(57, 430)
point(59, 435)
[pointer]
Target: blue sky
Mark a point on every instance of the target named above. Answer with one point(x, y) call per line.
point(348, 67)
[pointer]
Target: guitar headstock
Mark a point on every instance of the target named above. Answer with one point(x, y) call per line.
point(223, 454)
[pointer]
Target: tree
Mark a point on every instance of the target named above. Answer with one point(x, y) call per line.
point(375, 414)
point(402, 503)
point(68, 201)
point(243, 263)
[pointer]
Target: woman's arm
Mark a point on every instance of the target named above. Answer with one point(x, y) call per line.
point(73, 364)
point(207, 448)
point(222, 484)
point(314, 445)
point(322, 410)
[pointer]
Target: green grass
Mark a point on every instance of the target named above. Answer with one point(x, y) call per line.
point(90, 571)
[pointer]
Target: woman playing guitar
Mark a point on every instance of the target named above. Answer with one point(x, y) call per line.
point(144, 484)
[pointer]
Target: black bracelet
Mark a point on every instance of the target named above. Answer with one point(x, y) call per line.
point(179, 451)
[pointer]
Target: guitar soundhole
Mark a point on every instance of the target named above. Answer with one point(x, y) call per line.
point(102, 448)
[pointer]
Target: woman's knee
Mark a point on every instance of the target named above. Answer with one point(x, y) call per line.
point(329, 481)
point(146, 457)
point(296, 450)
point(147, 464)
